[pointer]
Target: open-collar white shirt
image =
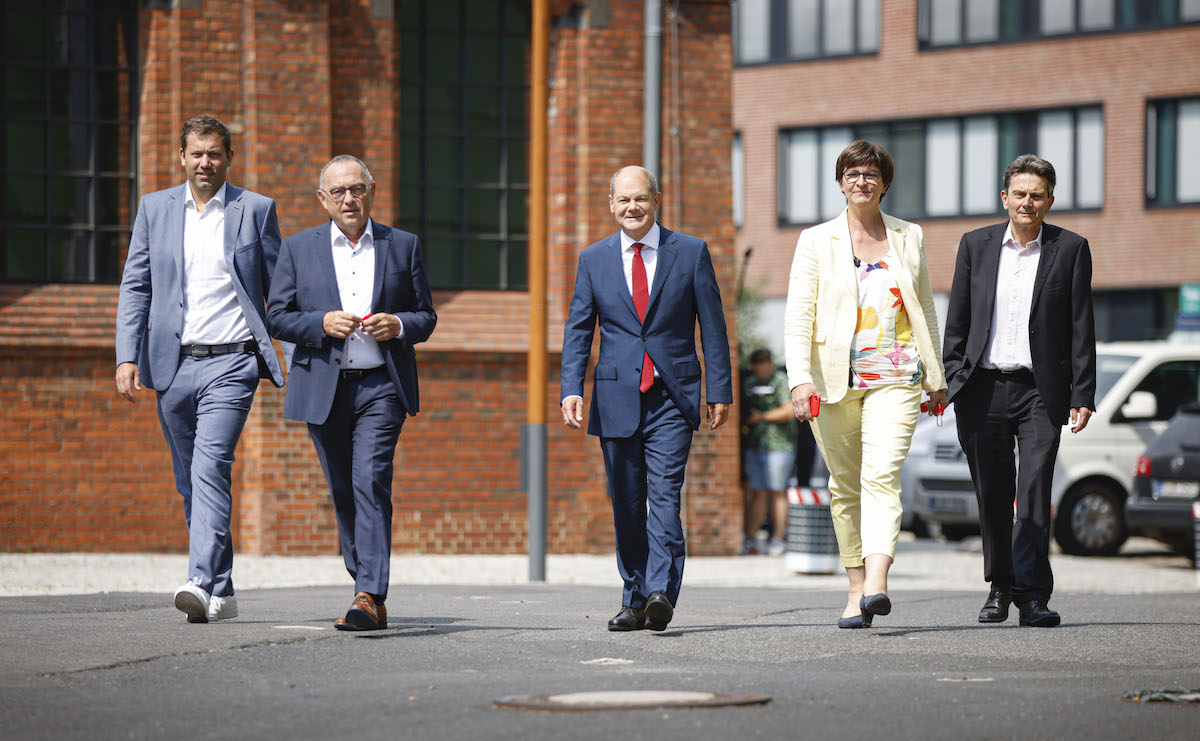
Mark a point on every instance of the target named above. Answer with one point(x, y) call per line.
point(1008, 343)
point(354, 267)
point(211, 312)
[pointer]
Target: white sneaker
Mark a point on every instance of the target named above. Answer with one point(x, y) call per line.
point(777, 547)
point(222, 608)
point(192, 600)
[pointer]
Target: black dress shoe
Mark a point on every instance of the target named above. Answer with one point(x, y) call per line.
point(995, 610)
point(629, 618)
point(1035, 614)
point(875, 604)
point(658, 611)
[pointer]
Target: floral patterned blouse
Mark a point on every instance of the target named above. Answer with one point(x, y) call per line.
point(882, 352)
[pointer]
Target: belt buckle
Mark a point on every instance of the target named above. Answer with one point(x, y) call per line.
point(201, 351)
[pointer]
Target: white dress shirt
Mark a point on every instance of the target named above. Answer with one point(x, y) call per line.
point(354, 268)
point(1008, 342)
point(211, 312)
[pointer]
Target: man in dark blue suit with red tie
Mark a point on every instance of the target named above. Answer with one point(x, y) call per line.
point(646, 286)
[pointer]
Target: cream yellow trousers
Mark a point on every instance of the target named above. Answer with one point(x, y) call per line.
point(864, 439)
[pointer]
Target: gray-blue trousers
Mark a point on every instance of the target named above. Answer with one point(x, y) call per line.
point(202, 414)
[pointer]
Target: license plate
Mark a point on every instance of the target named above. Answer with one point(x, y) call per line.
point(1176, 489)
point(956, 505)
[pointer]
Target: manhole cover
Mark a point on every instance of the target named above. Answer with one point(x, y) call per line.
point(628, 700)
point(1175, 695)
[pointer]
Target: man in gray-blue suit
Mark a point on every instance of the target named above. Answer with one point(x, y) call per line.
point(191, 324)
point(646, 286)
point(353, 296)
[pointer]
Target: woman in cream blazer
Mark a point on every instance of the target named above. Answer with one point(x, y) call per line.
point(861, 333)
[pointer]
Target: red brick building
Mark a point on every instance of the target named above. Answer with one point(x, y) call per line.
point(954, 90)
point(434, 96)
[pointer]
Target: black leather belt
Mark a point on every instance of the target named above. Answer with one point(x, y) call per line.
point(203, 351)
point(357, 374)
point(1017, 373)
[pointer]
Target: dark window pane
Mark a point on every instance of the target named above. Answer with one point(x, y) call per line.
point(443, 14)
point(483, 58)
point(483, 211)
point(24, 36)
point(410, 108)
point(71, 256)
point(444, 159)
point(518, 276)
point(518, 162)
point(24, 254)
point(113, 148)
point(442, 113)
point(483, 160)
point(26, 144)
point(112, 201)
point(442, 57)
point(483, 110)
point(483, 264)
point(108, 96)
point(108, 249)
point(906, 196)
point(25, 88)
point(442, 263)
point(515, 60)
point(69, 146)
point(408, 208)
point(516, 17)
point(486, 17)
point(443, 210)
point(70, 200)
point(25, 198)
point(518, 212)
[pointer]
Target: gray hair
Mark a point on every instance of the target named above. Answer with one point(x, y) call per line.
point(612, 183)
point(1033, 165)
point(344, 158)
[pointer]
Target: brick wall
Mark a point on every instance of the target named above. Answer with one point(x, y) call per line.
point(297, 83)
point(1119, 71)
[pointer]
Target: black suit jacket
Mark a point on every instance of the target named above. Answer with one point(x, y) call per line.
point(1062, 331)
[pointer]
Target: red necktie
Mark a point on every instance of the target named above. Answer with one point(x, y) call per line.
point(641, 299)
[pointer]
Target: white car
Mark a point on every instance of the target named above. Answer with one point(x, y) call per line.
point(1139, 386)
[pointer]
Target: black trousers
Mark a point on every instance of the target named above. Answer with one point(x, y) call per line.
point(993, 410)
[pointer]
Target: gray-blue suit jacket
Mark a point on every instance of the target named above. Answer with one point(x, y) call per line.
point(684, 291)
point(150, 311)
point(305, 288)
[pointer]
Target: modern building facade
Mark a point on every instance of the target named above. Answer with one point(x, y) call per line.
point(1107, 90)
point(434, 96)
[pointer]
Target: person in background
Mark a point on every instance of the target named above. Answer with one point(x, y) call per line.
point(770, 452)
point(860, 332)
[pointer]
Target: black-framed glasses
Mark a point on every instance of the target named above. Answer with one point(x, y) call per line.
point(871, 176)
point(358, 191)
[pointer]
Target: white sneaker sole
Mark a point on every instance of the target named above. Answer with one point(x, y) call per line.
point(192, 606)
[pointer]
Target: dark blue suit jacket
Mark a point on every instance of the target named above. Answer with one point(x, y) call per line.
point(685, 289)
point(305, 287)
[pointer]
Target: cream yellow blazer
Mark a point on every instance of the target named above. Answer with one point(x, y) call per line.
point(822, 305)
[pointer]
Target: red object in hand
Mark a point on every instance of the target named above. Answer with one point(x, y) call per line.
point(936, 410)
point(814, 405)
point(368, 316)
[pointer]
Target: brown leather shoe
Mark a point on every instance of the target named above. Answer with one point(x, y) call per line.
point(363, 615)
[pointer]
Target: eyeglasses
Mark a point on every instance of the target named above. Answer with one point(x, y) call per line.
point(337, 194)
point(871, 176)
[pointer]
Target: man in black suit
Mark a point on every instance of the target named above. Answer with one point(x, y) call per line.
point(1020, 354)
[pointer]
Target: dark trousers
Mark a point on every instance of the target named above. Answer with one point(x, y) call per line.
point(993, 409)
point(356, 446)
point(645, 476)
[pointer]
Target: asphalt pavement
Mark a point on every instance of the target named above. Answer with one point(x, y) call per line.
point(125, 664)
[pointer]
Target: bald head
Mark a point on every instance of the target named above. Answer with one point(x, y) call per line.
point(635, 171)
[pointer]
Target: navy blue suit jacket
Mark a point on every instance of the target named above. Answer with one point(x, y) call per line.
point(305, 288)
point(150, 312)
point(685, 289)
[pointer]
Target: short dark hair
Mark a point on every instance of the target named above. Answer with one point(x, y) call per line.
point(863, 152)
point(202, 126)
point(1033, 165)
point(761, 355)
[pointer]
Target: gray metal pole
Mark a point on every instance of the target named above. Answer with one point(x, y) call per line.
point(652, 106)
point(533, 479)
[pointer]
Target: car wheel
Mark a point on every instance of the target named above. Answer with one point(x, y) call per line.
point(1091, 520)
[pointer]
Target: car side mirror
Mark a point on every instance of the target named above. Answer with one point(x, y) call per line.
point(1140, 405)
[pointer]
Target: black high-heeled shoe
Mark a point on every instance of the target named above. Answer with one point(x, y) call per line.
point(875, 604)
